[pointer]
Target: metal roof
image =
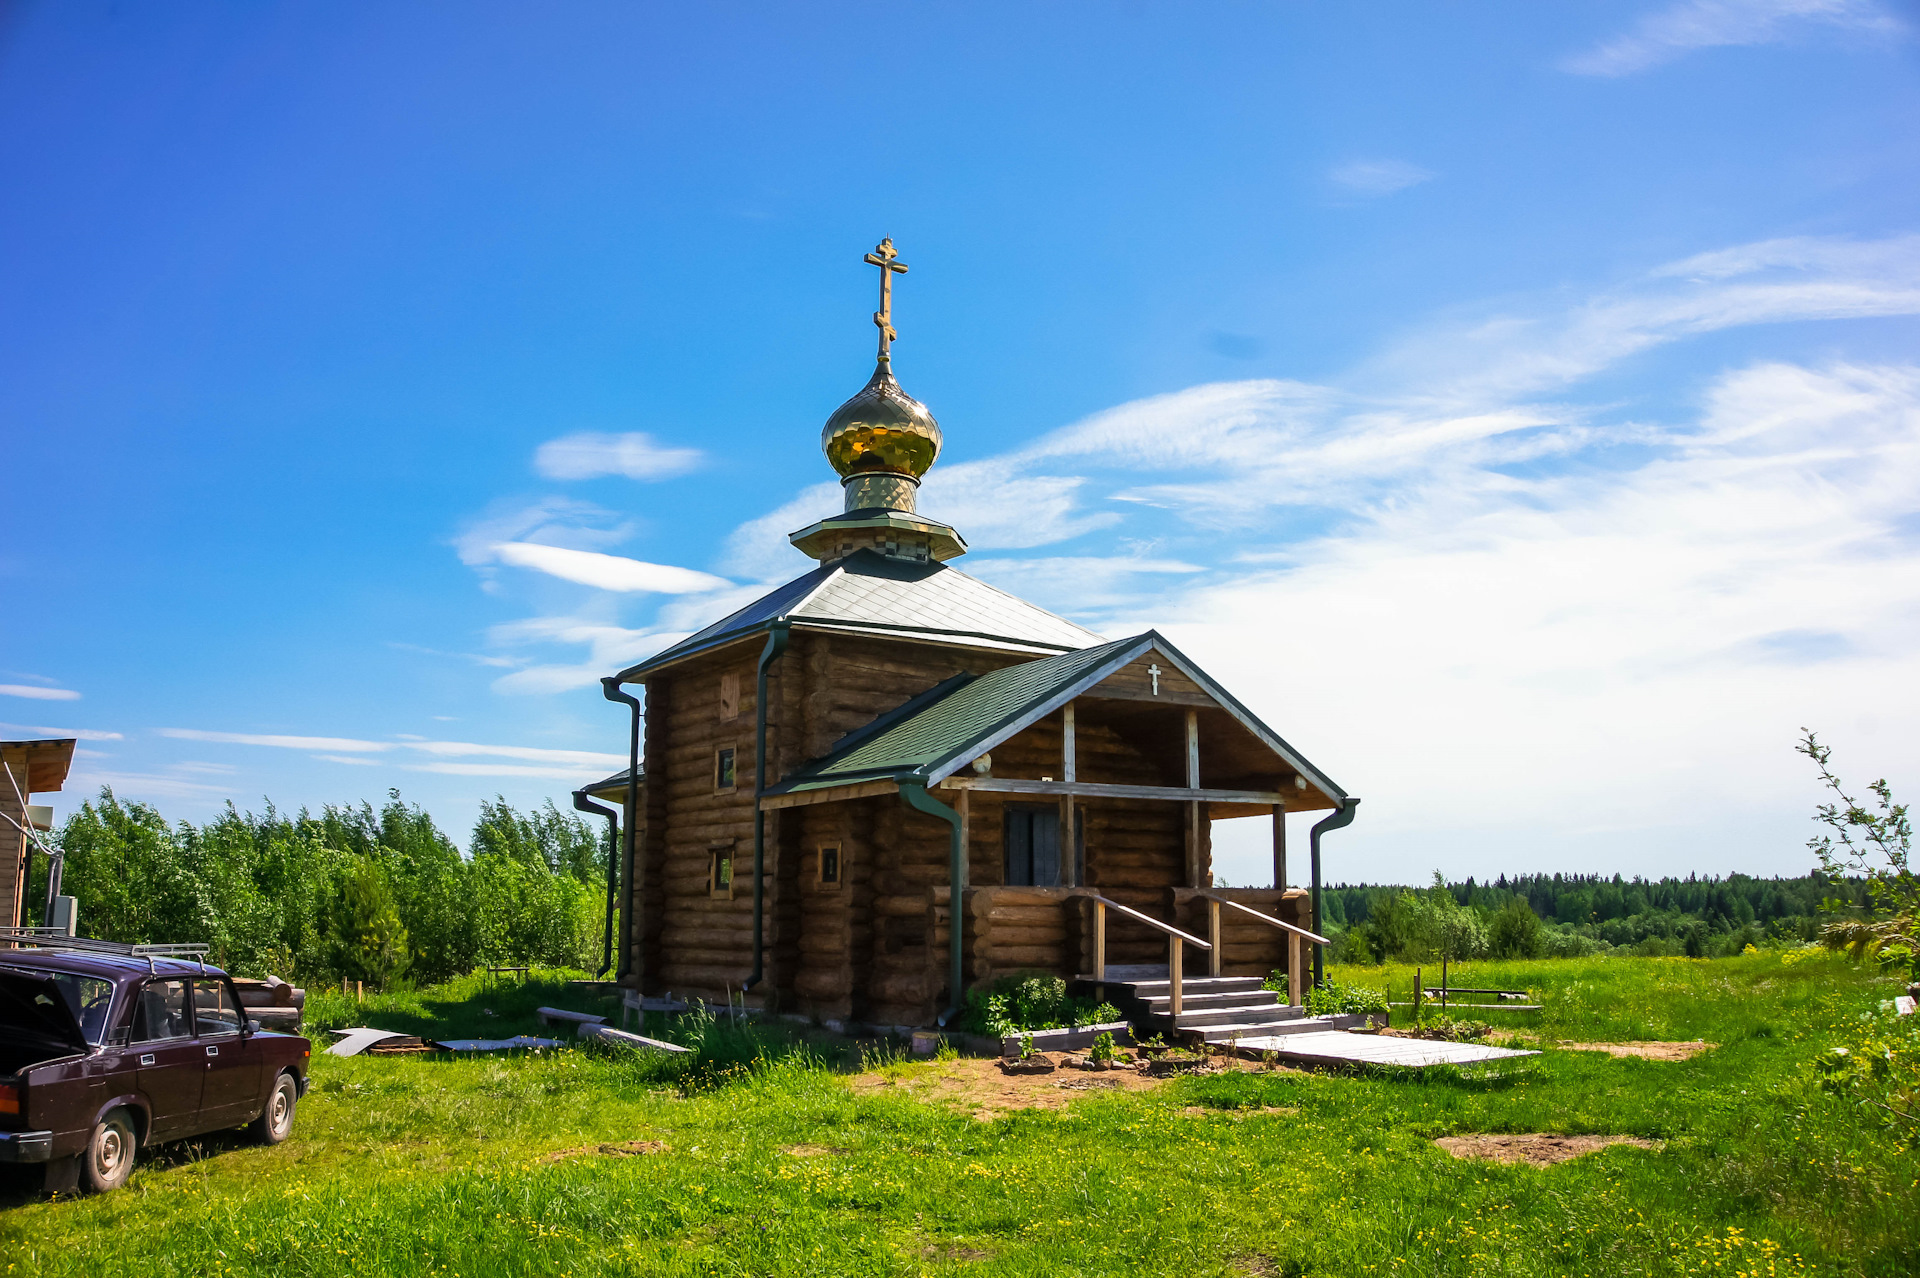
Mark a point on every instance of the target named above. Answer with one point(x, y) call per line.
point(933, 735)
point(868, 593)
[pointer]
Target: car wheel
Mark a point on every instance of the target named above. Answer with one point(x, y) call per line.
point(275, 1123)
point(108, 1159)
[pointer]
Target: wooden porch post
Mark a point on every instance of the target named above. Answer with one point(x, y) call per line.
point(1099, 940)
point(1193, 807)
point(1294, 974)
point(1280, 846)
point(1213, 935)
point(1174, 946)
point(1068, 847)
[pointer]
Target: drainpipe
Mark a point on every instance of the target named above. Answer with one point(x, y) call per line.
point(1343, 817)
point(581, 803)
point(610, 687)
point(777, 635)
point(915, 793)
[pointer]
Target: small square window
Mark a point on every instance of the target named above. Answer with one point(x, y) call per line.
point(720, 874)
point(723, 778)
point(828, 867)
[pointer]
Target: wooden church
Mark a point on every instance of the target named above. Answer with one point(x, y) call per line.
point(887, 782)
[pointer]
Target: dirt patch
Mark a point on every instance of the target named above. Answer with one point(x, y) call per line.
point(955, 1253)
point(1645, 1051)
point(625, 1150)
point(1251, 1264)
point(1538, 1149)
point(978, 1086)
point(812, 1151)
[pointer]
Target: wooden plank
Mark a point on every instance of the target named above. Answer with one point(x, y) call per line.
point(1101, 790)
point(806, 798)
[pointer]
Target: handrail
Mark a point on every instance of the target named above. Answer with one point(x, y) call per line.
point(1266, 918)
point(1130, 912)
point(1175, 978)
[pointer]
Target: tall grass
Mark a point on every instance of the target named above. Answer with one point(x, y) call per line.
point(772, 1164)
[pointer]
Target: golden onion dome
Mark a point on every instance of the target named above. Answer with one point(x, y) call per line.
point(881, 429)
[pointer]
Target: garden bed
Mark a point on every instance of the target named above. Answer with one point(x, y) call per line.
point(1066, 1040)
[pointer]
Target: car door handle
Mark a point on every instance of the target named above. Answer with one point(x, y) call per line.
point(146, 1058)
point(213, 1051)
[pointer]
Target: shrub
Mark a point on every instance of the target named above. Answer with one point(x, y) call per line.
point(1330, 998)
point(1516, 932)
point(1020, 1003)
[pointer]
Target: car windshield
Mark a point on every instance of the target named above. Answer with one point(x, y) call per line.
point(90, 999)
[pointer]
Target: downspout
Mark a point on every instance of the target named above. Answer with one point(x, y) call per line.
point(581, 803)
point(777, 635)
point(610, 687)
point(915, 793)
point(1343, 817)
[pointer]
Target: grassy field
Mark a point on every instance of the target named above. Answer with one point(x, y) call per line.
point(784, 1166)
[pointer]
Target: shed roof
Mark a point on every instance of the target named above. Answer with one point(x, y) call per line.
point(868, 593)
point(46, 762)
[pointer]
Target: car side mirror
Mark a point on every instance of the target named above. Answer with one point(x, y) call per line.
point(253, 1026)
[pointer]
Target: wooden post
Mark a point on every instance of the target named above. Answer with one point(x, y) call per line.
point(1069, 869)
point(1213, 934)
point(1280, 846)
point(1294, 973)
point(1443, 982)
point(1099, 940)
point(1193, 808)
point(1173, 975)
point(1419, 987)
point(359, 992)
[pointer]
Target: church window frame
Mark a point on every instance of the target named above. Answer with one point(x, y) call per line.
point(829, 867)
point(720, 872)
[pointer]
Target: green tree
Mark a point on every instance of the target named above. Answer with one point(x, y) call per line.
point(1876, 843)
point(1516, 932)
point(371, 939)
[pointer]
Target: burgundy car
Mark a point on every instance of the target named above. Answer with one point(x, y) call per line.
point(101, 1053)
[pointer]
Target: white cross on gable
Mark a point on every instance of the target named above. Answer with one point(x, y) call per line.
point(1153, 673)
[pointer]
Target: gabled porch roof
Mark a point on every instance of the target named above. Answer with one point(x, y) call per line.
point(937, 733)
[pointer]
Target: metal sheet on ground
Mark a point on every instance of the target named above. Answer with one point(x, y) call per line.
point(1335, 1047)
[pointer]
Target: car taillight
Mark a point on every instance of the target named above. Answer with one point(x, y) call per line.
point(9, 1098)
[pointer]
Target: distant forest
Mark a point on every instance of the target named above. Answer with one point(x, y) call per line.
point(348, 893)
point(1572, 915)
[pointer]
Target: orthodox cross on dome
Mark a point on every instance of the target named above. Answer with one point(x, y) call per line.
point(883, 257)
point(1153, 673)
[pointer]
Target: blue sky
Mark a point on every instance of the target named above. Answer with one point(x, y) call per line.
point(1517, 404)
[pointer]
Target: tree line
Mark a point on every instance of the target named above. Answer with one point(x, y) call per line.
point(1571, 915)
point(351, 893)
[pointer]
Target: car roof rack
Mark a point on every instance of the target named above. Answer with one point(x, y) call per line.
point(47, 938)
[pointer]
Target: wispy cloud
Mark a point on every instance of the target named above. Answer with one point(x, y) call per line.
point(353, 750)
point(609, 648)
point(79, 734)
point(589, 455)
point(607, 572)
point(1705, 24)
point(35, 693)
point(1378, 177)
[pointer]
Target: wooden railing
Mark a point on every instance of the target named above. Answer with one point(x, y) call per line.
point(1175, 938)
point(1295, 969)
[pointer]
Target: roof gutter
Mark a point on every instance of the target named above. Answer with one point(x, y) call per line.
point(914, 791)
point(610, 688)
point(581, 803)
point(777, 635)
point(1344, 817)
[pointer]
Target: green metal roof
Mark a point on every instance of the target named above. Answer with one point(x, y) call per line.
point(958, 722)
point(927, 738)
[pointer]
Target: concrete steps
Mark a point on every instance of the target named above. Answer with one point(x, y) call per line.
point(1214, 1009)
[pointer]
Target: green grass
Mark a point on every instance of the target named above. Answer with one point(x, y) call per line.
point(428, 1167)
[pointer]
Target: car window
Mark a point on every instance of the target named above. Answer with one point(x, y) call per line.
point(90, 999)
point(213, 1009)
point(161, 1012)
